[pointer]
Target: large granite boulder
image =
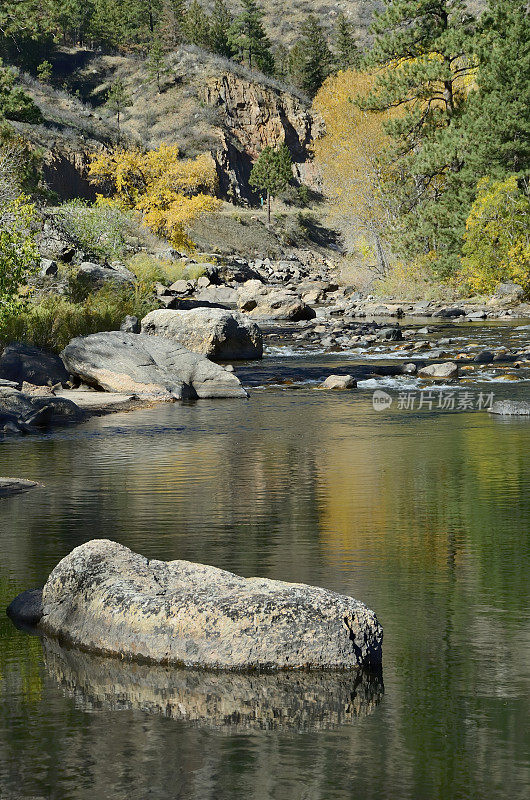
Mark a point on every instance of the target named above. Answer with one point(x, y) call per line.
point(21, 412)
point(210, 698)
point(216, 333)
point(104, 598)
point(23, 363)
point(148, 366)
point(263, 301)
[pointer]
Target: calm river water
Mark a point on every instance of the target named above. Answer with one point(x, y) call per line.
point(423, 515)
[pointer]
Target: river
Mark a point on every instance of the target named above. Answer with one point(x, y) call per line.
point(421, 513)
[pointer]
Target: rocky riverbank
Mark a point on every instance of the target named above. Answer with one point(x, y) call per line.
point(237, 311)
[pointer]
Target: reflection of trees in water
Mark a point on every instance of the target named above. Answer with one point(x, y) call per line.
point(441, 509)
point(242, 499)
point(424, 519)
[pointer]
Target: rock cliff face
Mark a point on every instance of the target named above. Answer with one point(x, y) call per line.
point(206, 104)
point(253, 116)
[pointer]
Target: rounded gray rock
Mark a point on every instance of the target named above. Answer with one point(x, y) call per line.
point(106, 599)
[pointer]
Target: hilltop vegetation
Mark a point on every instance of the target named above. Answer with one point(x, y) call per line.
point(423, 162)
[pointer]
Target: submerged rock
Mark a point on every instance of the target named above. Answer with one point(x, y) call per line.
point(214, 332)
point(511, 408)
point(11, 486)
point(104, 598)
point(149, 366)
point(299, 701)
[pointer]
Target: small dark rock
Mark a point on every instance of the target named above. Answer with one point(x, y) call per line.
point(484, 357)
point(26, 608)
point(390, 334)
point(48, 267)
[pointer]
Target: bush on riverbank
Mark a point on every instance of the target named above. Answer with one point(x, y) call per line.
point(98, 229)
point(53, 321)
point(150, 270)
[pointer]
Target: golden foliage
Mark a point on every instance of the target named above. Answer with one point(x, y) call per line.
point(497, 239)
point(349, 155)
point(169, 191)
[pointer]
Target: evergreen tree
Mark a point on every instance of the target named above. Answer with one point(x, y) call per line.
point(220, 22)
point(74, 18)
point(423, 51)
point(171, 24)
point(15, 104)
point(312, 57)
point(498, 124)
point(156, 62)
point(272, 172)
point(118, 99)
point(248, 38)
point(196, 25)
point(347, 52)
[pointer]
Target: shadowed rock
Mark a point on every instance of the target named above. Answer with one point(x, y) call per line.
point(149, 366)
point(26, 609)
point(298, 701)
point(22, 413)
point(22, 362)
point(104, 598)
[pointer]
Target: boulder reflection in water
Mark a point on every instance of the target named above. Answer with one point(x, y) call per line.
point(301, 701)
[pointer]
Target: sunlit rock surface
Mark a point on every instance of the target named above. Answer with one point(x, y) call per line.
point(104, 598)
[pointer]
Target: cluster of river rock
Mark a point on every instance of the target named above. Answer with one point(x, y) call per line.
point(184, 349)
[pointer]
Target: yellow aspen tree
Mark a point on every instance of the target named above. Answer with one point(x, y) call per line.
point(350, 159)
point(169, 191)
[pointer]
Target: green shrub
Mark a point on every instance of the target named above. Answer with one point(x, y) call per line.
point(15, 104)
point(53, 321)
point(18, 255)
point(99, 229)
point(150, 270)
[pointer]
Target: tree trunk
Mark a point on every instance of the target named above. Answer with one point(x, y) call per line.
point(268, 208)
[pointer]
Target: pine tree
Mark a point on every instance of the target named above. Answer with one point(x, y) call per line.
point(170, 28)
point(312, 58)
point(347, 52)
point(498, 124)
point(272, 172)
point(196, 26)
point(220, 22)
point(423, 51)
point(118, 99)
point(156, 62)
point(248, 38)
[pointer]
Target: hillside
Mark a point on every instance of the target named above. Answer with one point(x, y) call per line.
point(206, 103)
